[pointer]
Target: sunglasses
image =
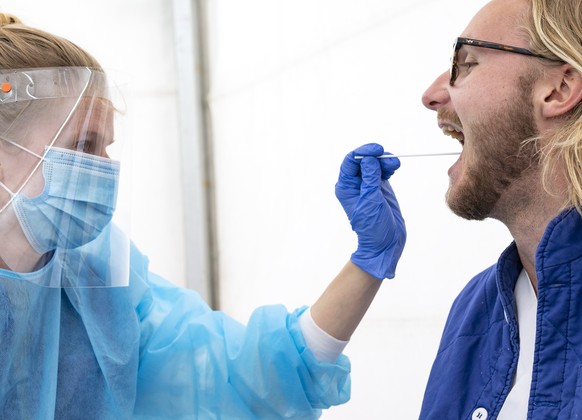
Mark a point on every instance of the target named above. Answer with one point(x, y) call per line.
point(454, 72)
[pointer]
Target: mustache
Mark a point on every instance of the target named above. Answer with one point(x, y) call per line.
point(452, 117)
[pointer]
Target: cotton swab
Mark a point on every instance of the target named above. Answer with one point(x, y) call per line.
point(412, 155)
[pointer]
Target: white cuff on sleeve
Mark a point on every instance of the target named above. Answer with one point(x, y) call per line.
point(324, 347)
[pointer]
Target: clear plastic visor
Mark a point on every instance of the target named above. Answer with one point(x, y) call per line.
point(59, 187)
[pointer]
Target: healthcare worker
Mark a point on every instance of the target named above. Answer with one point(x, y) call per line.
point(86, 331)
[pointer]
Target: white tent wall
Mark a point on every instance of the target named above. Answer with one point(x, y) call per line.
point(295, 86)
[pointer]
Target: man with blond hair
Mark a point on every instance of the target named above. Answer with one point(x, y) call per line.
point(512, 345)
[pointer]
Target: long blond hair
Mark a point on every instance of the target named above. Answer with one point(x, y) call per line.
point(555, 31)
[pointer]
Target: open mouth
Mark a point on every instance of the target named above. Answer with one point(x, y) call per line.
point(454, 132)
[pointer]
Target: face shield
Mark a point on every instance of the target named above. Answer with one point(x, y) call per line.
point(59, 187)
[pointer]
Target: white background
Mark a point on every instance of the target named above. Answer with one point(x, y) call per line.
point(295, 85)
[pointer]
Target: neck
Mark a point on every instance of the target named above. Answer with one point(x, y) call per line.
point(527, 234)
point(528, 208)
point(16, 253)
point(3, 264)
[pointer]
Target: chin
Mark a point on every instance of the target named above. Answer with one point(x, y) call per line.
point(466, 202)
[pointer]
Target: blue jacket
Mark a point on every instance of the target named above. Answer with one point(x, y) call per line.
point(478, 353)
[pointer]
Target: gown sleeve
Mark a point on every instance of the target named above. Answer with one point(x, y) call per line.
point(198, 363)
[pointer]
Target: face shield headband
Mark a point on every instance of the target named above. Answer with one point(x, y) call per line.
point(58, 186)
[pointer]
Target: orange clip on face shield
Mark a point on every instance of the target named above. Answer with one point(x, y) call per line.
point(59, 188)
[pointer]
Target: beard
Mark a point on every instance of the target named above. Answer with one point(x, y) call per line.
point(504, 154)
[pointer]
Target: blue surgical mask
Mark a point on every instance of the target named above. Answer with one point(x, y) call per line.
point(76, 204)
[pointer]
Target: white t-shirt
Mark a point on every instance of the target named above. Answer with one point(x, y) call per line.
point(327, 348)
point(516, 403)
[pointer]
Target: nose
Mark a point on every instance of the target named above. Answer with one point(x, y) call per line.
point(437, 94)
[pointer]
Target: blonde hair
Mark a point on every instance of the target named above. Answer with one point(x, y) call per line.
point(24, 47)
point(555, 31)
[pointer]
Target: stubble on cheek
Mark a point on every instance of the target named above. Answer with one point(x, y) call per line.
point(501, 156)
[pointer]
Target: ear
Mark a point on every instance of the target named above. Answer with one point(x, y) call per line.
point(563, 91)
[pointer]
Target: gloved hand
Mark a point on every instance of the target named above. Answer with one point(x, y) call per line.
point(368, 200)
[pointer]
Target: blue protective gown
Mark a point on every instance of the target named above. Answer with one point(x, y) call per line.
point(152, 350)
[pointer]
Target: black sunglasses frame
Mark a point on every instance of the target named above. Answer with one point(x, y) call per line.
point(460, 41)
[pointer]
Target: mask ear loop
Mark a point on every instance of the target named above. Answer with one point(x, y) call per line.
point(5, 188)
point(2, 185)
point(50, 145)
point(24, 149)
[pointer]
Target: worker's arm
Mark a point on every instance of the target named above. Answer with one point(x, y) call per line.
point(371, 206)
point(342, 306)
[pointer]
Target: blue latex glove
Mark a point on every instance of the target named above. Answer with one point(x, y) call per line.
point(368, 200)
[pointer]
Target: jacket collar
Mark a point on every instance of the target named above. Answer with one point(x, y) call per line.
point(561, 242)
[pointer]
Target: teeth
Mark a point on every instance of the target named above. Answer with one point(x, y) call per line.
point(454, 133)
